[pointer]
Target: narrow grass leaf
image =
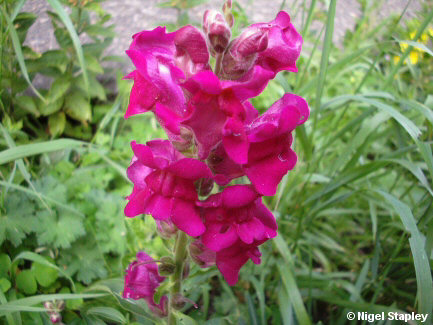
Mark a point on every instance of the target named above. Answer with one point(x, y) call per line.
point(421, 262)
point(324, 60)
point(55, 4)
point(108, 313)
point(19, 53)
point(27, 150)
point(25, 304)
point(290, 282)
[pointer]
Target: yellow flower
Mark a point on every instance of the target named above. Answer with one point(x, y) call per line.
point(430, 31)
point(424, 38)
point(403, 46)
point(396, 59)
point(412, 35)
point(414, 57)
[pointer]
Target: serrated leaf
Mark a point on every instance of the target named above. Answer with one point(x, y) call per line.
point(56, 123)
point(44, 274)
point(18, 220)
point(84, 261)
point(58, 231)
point(26, 282)
point(27, 103)
point(78, 107)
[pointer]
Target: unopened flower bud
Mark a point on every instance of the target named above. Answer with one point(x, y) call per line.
point(166, 267)
point(242, 52)
point(166, 229)
point(55, 318)
point(204, 186)
point(48, 305)
point(217, 30)
point(227, 10)
point(201, 255)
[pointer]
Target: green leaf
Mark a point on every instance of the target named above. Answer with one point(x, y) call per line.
point(5, 284)
point(27, 103)
point(421, 261)
point(56, 123)
point(85, 261)
point(73, 304)
point(25, 304)
point(28, 150)
point(19, 53)
point(26, 282)
point(78, 107)
point(58, 88)
point(18, 220)
point(50, 107)
point(5, 264)
point(55, 4)
point(58, 230)
point(289, 281)
point(108, 313)
point(93, 64)
point(43, 262)
point(44, 274)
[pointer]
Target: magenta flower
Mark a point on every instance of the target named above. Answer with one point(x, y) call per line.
point(237, 213)
point(164, 185)
point(218, 111)
point(163, 60)
point(231, 259)
point(142, 280)
point(268, 139)
point(274, 46)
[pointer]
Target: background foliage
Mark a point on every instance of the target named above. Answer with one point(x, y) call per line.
point(355, 216)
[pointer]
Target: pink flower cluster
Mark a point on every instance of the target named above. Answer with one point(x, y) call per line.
point(214, 134)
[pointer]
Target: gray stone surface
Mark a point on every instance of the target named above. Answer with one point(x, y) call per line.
point(132, 16)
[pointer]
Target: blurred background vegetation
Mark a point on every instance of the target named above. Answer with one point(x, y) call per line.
point(355, 216)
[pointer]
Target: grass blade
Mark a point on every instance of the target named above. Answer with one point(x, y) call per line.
point(27, 150)
point(324, 60)
point(289, 282)
point(19, 53)
point(55, 4)
point(421, 261)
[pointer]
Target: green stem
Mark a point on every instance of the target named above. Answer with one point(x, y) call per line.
point(176, 278)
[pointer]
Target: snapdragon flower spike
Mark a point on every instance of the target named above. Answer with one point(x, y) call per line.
point(142, 280)
point(269, 138)
point(231, 259)
point(237, 213)
point(164, 185)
